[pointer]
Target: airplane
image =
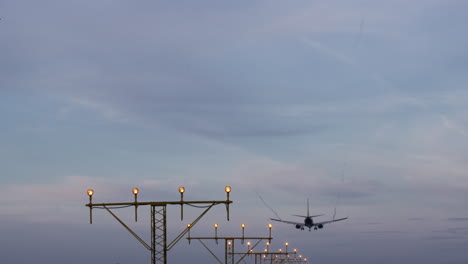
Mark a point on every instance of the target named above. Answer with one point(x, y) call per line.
point(309, 222)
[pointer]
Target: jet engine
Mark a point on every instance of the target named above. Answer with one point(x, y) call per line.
point(298, 226)
point(320, 226)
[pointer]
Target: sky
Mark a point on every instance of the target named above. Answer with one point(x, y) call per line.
point(355, 105)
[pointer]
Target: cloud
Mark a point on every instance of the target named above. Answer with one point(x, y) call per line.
point(451, 124)
point(239, 89)
point(292, 179)
point(107, 112)
point(442, 237)
point(329, 52)
point(204, 83)
point(416, 219)
point(384, 232)
point(65, 199)
point(457, 219)
point(452, 230)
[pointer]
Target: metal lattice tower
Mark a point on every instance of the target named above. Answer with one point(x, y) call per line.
point(158, 234)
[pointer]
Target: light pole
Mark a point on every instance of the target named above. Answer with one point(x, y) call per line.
point(90, 193)
point(227, 189)
point(181, 191)
point(269, 227)
point(216, 233)
point(135, 194)
point(243, 227)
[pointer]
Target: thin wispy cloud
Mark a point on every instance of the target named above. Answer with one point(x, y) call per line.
point(453, 230)
point(395, 232)
point(416, 219)
point(442, 237)
point(457, 219)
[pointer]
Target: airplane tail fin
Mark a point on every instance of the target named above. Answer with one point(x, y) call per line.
point(308, 215)
point(334, 214)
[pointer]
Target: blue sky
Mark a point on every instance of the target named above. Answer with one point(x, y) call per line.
point(358, 105)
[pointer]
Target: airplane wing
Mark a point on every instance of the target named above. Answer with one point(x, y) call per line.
point(288, 222)
point(330, 221)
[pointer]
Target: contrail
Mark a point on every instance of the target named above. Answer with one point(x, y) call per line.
point(269, 207)
point(338, 195)
point(361, 27)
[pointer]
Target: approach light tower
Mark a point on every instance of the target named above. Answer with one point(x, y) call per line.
point(159, 245)
point(229, 245)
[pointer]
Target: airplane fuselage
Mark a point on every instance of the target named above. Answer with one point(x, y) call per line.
point(309, 222)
